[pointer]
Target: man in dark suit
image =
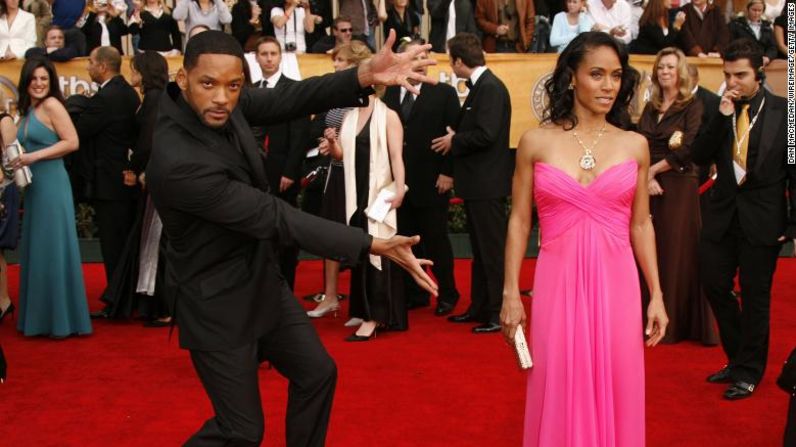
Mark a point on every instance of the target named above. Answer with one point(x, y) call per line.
point(440, 11)
point(429, 176)
point(482, 168)
point(710, 107)
point(207, 179)
point(746, 219)
point(108, 127)
point(283, 144)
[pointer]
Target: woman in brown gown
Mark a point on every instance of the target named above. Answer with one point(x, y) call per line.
point(670, 122)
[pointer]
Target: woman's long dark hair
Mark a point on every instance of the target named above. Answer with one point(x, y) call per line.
point(153, 68)
point(26, 77)
point(561, 99)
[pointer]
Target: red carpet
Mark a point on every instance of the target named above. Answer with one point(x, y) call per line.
point(435, 385)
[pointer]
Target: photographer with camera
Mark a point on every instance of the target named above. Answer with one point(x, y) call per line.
point(291, 22)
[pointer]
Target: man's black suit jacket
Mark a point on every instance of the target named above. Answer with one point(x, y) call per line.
point(286, 145)
point(436, 108)
point(222, 280)
point(710, 107)
point(483, 164)
point(109, 124)
point(761, 200)
point(465, 21)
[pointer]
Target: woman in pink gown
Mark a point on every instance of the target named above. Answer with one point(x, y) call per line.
point(589, 179)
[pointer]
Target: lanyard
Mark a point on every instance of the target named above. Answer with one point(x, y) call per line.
point(738, 142)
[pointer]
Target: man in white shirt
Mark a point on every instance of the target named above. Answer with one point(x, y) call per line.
point(613, 17)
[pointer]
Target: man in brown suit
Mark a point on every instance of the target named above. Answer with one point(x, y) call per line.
point(507, 24)
point(704, 32)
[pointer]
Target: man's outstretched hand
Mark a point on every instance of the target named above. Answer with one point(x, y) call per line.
point(399, 250)
point(388, 68)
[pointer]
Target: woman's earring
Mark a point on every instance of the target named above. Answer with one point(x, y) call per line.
point(571, 87)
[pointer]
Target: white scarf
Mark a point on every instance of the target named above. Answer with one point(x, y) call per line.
point(380, 175)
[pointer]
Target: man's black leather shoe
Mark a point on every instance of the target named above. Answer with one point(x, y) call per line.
point(720, 376)
point(462, 318)
point(486, 328)
point(739, 390)
point(443, 308)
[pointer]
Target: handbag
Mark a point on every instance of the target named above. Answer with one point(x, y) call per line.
point(787, 378)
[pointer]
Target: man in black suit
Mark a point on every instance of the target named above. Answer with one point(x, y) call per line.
point(710, 107)
point(429, 176)
point(283, 144)
point(208, 181)
point(108, 127)
point(463, 19)
point(746, 218)
point(482, 168)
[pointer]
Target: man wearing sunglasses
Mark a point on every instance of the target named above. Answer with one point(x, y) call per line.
point(342, 32)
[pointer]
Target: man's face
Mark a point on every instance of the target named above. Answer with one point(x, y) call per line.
point(269, 57)
point(422, 70)
point(740, 77)
point(95, 69)
point(212, 88)
point(343, 32)
point(54, 39)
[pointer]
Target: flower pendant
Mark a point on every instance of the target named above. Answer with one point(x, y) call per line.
point(587, 162)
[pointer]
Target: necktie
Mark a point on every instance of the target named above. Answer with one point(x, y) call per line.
point(469, 84)
point(264, 83)
point(742, 127)
point(406, 105)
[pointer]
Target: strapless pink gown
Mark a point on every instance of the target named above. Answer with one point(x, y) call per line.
point(586, 388)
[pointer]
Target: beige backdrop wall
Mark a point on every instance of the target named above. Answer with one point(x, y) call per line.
point(524, 75)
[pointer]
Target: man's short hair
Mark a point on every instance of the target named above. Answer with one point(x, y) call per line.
point(340, 19)
point(267, 39)
point(745, 49)
point(52, 28)
point(210, 42)
point(466, 47)
point(110, 57)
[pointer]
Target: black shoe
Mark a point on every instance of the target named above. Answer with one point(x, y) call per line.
point(9, 310)
point(157, 323)
point(486, 328)
point(443, 308)
point(355, 337)
point(2, 366)
point(720, 376)
point(99, 314)
point(739, 390)
point(462, 318)
point(417, 304)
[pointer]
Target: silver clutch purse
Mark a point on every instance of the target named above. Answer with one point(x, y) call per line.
point(521, 349)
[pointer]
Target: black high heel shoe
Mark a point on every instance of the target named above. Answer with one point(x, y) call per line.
point(2, 366)
point(9, 310)
point(355, 337)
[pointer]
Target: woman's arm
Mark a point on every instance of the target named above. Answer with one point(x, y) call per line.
point(180, 11)
point(280, 16)
point(558, 33)
point(395, 145)
point(512, 314)
point(68, 142)
point(309, 19)
point(8, 130)
point(642, 238)
point(224, 16)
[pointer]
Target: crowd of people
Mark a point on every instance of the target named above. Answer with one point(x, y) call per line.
point(179, 225)
point(697, 27)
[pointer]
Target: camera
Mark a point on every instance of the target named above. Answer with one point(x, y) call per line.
point(290, 47)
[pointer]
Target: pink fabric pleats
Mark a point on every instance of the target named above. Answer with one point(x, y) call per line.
point(586, 388)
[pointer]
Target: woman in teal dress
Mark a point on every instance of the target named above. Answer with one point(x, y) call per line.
point(52, 296)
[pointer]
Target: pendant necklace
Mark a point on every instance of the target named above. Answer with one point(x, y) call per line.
point(587, 161)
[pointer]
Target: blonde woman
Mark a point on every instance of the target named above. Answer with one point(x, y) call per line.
point(157, 28)
point(670, 122)
point(370, 143)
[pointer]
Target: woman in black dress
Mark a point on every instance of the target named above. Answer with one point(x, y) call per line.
point(370, 143)
point(9, 214)
point(670, 122)
point(403, 21)
point(139, 274)
point(157, 28)
point(753, 26)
